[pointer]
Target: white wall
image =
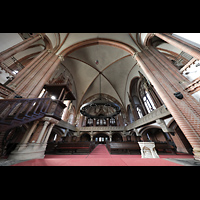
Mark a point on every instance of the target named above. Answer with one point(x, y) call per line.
point(7, 40)
point(192, 38)
point(3, 76)
point(194, 71)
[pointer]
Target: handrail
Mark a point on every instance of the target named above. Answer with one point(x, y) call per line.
point(15, 107)
point(14, 112)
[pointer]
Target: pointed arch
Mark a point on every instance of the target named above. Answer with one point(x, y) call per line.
point(97, 41)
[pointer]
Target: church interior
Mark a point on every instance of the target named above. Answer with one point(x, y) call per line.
point(99, 99)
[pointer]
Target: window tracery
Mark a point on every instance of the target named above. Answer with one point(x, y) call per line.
point(143, 98)
point(139, 111)
point(146, 97)
point(101, 122)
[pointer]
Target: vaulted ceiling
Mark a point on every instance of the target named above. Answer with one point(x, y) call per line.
point(87, 63)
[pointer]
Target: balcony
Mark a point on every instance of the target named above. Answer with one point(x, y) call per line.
point(15, 112)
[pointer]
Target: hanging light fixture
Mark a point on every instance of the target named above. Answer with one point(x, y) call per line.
point(100, 108)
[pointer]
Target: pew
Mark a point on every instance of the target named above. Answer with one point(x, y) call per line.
point(51, 147)
point(122, 146)
point(74, 146)
point(133, 146)
point(163, 146)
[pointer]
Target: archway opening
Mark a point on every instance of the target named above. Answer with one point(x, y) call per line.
point(163, 140)
point(10, 139)
point(101, 138)
point(182, 143)
point(54, 138)
point(85, 137)
point(98, 41)
point(116, 137)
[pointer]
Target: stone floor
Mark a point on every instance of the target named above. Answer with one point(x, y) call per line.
point(184, 161)
point(7, 162)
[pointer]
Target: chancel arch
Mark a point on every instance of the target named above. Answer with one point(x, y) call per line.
point(98, 41)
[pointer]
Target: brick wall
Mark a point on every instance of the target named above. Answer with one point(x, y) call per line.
point(167, 80)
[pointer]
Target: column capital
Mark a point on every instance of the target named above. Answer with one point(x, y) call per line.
point(135, 54)
point(61, 57)
point(50, 119)
point(41, 36)
point(163, 126)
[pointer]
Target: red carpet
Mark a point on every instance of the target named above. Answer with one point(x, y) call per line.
point(99, 152)
point(101, 157)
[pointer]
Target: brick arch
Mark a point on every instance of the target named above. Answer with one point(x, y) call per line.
point(97, 41)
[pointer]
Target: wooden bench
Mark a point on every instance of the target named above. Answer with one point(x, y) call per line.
point(132, 146)
point(163, 146)
point(51, 147)
point(74, 146)
point(122, 146)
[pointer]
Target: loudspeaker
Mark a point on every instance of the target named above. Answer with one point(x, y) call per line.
point(178, 95)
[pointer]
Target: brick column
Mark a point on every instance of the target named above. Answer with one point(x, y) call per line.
point(30, 81)
point(44, 75)
point(167, 80)
point(19, 47)
point(21, 76)
point(180, 44)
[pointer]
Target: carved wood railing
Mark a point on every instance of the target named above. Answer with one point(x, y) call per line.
point(5, 91)
point(15, 112)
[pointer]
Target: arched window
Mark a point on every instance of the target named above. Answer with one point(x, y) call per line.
point(143, 97)
point(101, 122)
point(139, 111)
point(112, 121)
point(135, 100)
point(149, 104)
point(55, 137)
point(146, 97)
point(130, 114)
point(90, 121)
